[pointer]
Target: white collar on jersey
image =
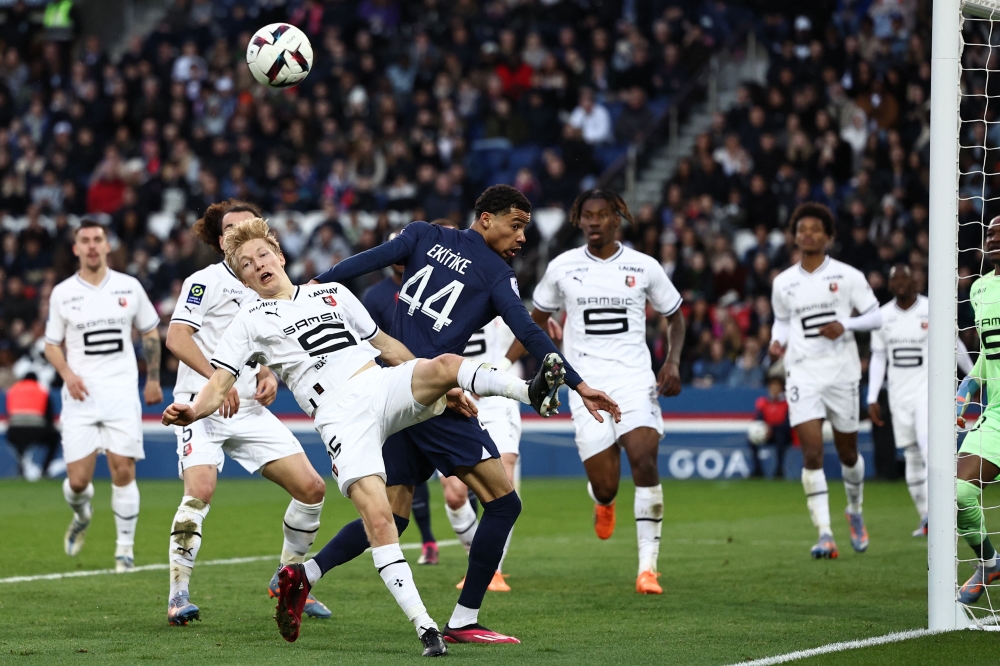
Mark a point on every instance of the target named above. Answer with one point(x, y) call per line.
point(107, 276)
point(229, 270)
point(621, 248)
point(822, 267)
point(916, 301)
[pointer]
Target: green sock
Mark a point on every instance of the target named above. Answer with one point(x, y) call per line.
point(971, 525)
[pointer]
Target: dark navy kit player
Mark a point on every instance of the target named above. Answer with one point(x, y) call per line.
point(456, 282)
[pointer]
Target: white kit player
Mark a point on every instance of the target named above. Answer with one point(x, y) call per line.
point(92, 314)
point(322, 342)
point(901, 346)
point(813, 302)
point(243, 428)
point(502, 419)
point(603, 288)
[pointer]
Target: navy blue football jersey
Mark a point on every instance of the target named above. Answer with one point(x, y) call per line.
point(380, 301)
point(454, 284)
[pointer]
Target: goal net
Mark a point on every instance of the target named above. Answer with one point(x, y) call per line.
point(965, 196)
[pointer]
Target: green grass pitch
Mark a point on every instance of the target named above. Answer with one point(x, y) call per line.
point(738, 580)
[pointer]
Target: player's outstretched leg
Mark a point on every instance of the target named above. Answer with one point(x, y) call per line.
point(422, 516)
point(300, 524)
point(818, 501)
point(972, 528)
point(916, 483)
point(76, 533)
point(485, 380)
point(185, 541)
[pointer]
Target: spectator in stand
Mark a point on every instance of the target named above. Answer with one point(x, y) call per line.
point(635, 118)
point(591, 119)
point(713, 368)
point(747, 372)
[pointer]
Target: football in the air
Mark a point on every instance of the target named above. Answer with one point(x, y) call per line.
point(279, 55)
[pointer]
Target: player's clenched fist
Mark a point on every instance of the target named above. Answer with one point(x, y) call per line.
point(179, 413)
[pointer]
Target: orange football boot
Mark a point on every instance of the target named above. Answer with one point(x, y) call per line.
point(604, 520)
point(498, 584)
point(646, 583)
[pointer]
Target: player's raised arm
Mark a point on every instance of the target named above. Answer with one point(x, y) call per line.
point(209, 399)
point(392, 252)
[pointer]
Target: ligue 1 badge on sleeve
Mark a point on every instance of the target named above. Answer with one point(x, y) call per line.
point(513, 285)
point(196, 294)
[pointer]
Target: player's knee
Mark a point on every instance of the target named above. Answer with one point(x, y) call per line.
point(78, 484)
point(604, 493)
point(967, 495)
point(645, 471)
point(507, 507)
point(313, 492)
point(455, 500)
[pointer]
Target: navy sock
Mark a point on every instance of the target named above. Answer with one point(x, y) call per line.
point(422, 512)
point(487, 547)
point(348, 543)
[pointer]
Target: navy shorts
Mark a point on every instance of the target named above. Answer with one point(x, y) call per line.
point(443, 443)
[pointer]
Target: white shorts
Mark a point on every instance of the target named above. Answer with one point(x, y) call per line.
point(909, 421)
point(253, 438)
point(502, 418)
point(640, 407)
point(813, 396)
point(106, 420)
point(355, 421)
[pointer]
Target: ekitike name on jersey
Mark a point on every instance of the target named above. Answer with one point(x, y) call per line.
point(449, 259)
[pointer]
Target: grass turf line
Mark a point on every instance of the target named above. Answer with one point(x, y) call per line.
point(738, 579)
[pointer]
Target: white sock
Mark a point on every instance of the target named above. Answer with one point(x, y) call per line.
point(590, 491)
point(79, 502)
point(854, 484)
point(185, 540)
point(463, 617)
point(463, 520)
point(300, 527)
point(506, 547)
point(313, 572)
point(648, 525)
point(485, 380)
point(916, 478)
point(125, 505)
point(817, 499)
point(398, 578)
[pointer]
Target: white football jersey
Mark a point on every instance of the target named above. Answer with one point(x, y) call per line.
point(96, 325)
point(903, 339)
point(490, 343)
point(315, 341)
point(605, 303)
point(808, 301)
point(209, 300)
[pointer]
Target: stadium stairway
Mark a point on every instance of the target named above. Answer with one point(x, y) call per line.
point(663, 162)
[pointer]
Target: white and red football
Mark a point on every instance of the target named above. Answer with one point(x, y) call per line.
point(279, 55)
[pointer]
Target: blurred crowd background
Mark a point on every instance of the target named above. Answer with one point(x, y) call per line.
point(412, 108)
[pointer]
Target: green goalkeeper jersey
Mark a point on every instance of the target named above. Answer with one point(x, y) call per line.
point(985, 298)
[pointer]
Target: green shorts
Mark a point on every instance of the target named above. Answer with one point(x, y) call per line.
point(984, 438)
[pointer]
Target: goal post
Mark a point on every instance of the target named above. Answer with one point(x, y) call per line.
point(944, 612)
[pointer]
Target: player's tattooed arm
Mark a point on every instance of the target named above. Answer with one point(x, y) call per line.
point(153, 393)
point(209, 399)
point(668, 380)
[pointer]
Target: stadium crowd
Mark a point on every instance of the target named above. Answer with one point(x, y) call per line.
point(413, 108)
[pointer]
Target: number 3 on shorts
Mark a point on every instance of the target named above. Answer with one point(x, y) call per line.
point(793, 394)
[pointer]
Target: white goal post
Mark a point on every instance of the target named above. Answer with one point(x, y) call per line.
point(944, 613)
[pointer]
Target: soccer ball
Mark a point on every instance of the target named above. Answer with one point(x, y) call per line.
point(758, 432)
point(279, 55)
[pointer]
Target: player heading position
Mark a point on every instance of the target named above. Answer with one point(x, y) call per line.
point(979, 455)
point(92, 314)
point(455, 283)
point(243, 428)
point(603, 287)
point(323, 343)
point(901, 344)
point(814, 330)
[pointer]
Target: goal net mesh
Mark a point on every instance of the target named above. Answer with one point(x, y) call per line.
point(978, 203)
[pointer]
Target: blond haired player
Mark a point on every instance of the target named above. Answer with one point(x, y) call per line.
point(91, 315)
point(322, 342)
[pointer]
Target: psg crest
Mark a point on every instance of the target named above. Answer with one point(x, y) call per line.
point(122, 302)
point(629, 280)
point(330, 300)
